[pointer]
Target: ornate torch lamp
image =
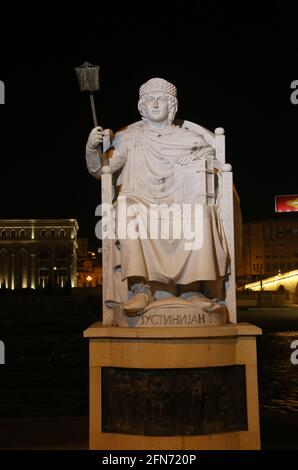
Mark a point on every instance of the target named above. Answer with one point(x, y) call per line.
point(88, 77)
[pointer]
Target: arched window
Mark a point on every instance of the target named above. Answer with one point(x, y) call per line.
point(3, 235)
point(52, 234)
point(22, 235)
point(61, 277)
point(43, 277)
point(13, 235)
point(43, 234)
point(62, 233)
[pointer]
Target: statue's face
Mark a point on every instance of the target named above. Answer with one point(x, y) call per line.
point(156, 107)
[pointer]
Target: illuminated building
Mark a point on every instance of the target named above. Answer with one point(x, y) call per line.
point(270, 247)
point(89, 268)
point(282, 282)
point(35, 253)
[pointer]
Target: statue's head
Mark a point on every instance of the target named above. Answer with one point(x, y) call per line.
point(163, 94)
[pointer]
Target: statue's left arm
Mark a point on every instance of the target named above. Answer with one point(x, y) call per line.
point(200, 150)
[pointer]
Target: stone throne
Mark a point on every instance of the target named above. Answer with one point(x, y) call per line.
point(175, 386)
point(210, 188)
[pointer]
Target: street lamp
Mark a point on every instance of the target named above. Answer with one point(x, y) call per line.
point(55, 276)
point(89, 279)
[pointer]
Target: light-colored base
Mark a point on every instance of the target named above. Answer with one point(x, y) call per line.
point(167, 317)
point(172, 348)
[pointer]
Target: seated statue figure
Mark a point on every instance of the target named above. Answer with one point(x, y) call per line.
point(176, 256)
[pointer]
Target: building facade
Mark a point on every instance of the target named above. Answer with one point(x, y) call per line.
point(35, 253)
point(270, 247)
point(89, 266)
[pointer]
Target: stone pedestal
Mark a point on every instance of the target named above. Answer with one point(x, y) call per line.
point(173, 388)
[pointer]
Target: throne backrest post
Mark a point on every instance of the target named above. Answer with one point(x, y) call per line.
point(220, 148)
point(227, 219)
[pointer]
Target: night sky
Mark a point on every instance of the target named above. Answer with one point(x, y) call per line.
point(233, 69)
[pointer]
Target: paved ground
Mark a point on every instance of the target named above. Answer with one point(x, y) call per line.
point(44, 433)
point(278, 431)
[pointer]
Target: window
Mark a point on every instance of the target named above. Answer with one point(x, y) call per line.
point(52, 234)
point(3, 234)
point(43, 254)
point(273, 230)
point(61, 234)
point(22, 235)
point(280, 231)
point(43, 278)
point(13, 235)
point(266, 229)
point(61, 277)
point(43, 234)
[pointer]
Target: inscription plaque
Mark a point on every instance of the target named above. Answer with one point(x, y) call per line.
point(167, 402)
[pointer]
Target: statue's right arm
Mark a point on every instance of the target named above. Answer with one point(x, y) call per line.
point(94, 156)
point(93, 152)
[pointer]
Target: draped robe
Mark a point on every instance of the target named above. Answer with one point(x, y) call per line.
point(151, 174)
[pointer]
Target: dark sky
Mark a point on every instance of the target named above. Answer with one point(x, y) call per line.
point(233, 68)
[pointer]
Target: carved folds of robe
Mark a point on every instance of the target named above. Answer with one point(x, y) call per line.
point(154, 174)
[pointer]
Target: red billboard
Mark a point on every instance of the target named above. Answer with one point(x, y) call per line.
point(286, 203)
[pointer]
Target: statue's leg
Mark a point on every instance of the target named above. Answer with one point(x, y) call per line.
point(214, 289)
point(139, 296)
point(137, 284)
point(192, 292)
point(189, 290)
point(161, 290)
point(206, 295)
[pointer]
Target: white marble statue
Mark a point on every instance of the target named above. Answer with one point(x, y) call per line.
point(159, 165)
